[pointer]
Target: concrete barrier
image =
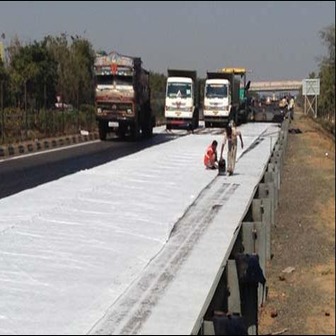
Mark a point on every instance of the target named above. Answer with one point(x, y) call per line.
point(11, 150)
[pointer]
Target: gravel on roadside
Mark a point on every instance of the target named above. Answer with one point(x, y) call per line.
point(301, 275)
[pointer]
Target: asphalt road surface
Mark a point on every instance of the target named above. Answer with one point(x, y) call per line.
point(28, 171)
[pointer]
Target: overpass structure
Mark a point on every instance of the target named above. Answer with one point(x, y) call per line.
point(288, 85)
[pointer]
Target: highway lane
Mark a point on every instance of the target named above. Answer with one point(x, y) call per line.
point(28, 171)
point(72, 247)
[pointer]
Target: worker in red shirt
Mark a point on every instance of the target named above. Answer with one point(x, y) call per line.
point(210, 157)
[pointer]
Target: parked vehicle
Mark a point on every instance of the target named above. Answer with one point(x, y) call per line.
point(182, 100)
point(225, 97)
point(122, 96)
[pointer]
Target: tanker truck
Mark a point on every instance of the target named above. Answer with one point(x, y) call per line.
point(181, 101)
point(122, 96)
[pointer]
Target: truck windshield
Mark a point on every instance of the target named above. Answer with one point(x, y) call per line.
point(182, 90)
point(216, 91)
point(104, 80)
point(123, 80)
point(117, 80)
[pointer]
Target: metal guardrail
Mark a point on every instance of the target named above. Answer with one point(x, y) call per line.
point(254, 238)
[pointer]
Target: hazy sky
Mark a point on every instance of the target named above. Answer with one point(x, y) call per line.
point(276, 40)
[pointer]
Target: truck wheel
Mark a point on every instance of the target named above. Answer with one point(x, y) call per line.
point(122, 131)
point(102, 129)
point(147, 127)
point(135, 132)
point(196, 119)
point(194, 124)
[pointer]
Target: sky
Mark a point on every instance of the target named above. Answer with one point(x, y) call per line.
point(71, 250)
point(274, 40)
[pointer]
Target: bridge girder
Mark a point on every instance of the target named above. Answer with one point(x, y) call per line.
point(276, 86)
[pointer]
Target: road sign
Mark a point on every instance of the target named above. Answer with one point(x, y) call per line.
point(311, 87)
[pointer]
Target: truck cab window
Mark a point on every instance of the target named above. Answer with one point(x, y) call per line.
point(178, 90)
point(123, 80)
point(105, 80)
point(216, 91)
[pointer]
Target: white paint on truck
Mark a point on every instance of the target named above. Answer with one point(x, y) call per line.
point(179, 98)
point(217, 98)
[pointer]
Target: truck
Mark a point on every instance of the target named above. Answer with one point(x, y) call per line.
point(225, 98)
point(122, 96)
point(182, 100)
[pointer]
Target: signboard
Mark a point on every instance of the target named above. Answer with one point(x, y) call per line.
point(311, 87)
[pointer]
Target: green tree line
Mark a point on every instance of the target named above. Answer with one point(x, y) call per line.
point(36, 73)
point(326, 102)
point(326, 74)
point(56, 69)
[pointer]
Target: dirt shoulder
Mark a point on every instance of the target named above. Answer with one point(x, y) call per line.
point(302, 302)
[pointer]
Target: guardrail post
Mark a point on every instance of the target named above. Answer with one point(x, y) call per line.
point(207, 328)
point(277, 160)
point(234, 305)
point(267, 190)
point(270, 178)
point(262, 212)
point(254, 241)
point(248, 294)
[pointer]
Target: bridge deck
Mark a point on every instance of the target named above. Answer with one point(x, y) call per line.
point(90, 253)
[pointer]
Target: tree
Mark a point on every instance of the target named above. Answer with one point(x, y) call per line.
point(82, 84)
point(31, 68)
point(158, 88)
point(75, 61)
point(312, 75)
point(59, 51)
point(327, 74)
point(328, 38)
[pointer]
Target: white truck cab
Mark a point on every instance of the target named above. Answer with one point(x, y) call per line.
point(221, 98)
point(217, 100)
point(181, 108)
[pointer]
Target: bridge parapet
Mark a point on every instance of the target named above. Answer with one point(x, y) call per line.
point(276, 86)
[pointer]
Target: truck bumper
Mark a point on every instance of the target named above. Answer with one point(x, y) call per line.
point(108, 119)
point(216, 121)
point(174, 123)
